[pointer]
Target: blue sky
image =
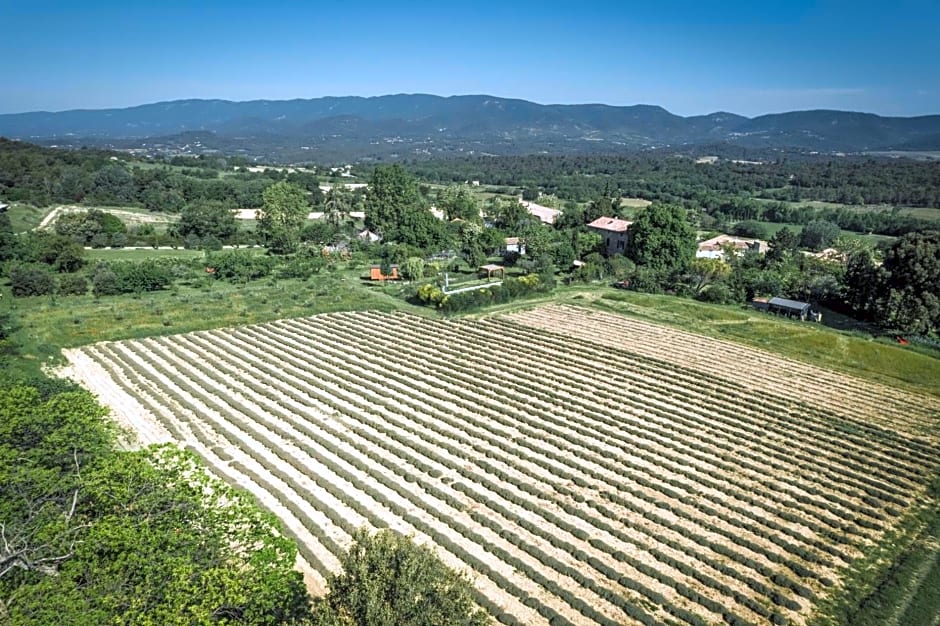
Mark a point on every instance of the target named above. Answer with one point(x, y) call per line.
point(692, 57)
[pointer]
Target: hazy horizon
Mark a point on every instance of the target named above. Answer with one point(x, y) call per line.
point(493, 95)
point(690, 58)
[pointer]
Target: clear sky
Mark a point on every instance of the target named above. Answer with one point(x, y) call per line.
point(692, 57)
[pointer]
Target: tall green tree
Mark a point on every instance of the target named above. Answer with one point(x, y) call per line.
point(864, 282)
point(819, 234)
point(507, 214)
point(387, 580)
point(337, 206)
point(911, 296)
point(282, 217)
point(7, 238)
point(458, 202)
point(783, 245)
point(394, 207)
point(662, 239)
point(207, 218)
point(471, 244)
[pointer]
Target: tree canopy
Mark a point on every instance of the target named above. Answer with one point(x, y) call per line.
point(911, 288)
point(207, 218)
point(94, 535)
point(387, 580)
point(282, 217)
point(662, 239)
point(395, 208)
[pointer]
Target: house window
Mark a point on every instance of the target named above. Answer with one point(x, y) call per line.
point(620, 245)
point(608, 242)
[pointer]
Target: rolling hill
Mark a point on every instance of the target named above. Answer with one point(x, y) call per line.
point(426, 125)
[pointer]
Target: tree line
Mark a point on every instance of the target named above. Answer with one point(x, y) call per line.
point(44, 176)
point(899, 182)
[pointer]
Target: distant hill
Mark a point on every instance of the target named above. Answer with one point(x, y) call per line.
point(425, 125)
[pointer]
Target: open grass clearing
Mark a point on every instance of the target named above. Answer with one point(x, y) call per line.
point(131, 216)
point(855, 353)
point(140, 254)
point(24, 217)
point(47, 324)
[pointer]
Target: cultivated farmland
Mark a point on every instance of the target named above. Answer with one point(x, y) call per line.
point(586, 468)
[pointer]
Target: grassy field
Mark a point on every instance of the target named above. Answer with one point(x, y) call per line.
point(46, 324)
point(139, 253)
point(853, 353)
point(25, 217)
point(773, 228)
point(135, 254)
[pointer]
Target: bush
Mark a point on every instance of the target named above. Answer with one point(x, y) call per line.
point(147, 275)
point(101, 240)
point(302, 264)
point(192, 242)
point(210, 242)
point(487, 294)
point(717, 293)
point(31, 280)
point(105, 282)
point(240, 265)
point(73, 285)
point(412, 268)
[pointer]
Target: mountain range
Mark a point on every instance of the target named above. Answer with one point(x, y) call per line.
point(419, 125)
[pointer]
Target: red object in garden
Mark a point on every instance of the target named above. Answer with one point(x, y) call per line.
point(902, 341)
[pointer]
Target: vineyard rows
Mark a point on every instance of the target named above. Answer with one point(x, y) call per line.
point(579, 482)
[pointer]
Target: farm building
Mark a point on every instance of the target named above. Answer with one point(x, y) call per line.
point(790, 308)
point(615, 232)
point(829, 254)
point(714, 248)
point(375, 273)
point(514, 244)
point(545, 214)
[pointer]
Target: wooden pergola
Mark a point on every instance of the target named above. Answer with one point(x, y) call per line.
point(492, 268)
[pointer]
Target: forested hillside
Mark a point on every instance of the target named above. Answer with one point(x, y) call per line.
point(405, 125)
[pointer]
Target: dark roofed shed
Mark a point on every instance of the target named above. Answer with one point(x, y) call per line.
point(789, 307)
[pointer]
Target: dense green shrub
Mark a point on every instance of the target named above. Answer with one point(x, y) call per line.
point(73, 285)
point(31, 280)
point(510, 289)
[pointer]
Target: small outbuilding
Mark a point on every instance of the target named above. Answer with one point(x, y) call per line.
point(790, 308)
point(368, 236)
point(375, 273)
point(514, 244)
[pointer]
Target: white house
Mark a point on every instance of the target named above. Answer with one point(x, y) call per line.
point(546, 214)
point(714, 248)
point(514, 244)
